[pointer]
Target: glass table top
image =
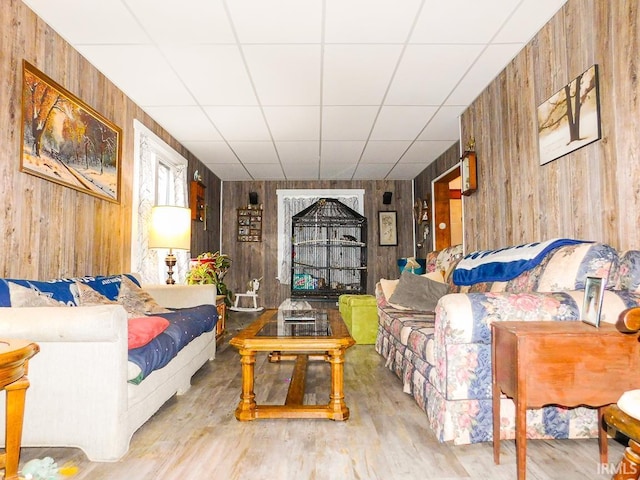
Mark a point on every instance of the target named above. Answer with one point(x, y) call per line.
point(305, 322)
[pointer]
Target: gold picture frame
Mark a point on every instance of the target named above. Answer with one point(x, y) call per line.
point(66, 141)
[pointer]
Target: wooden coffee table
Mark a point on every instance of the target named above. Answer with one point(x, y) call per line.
point(326, 339)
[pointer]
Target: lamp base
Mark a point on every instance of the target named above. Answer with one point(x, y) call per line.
point(170, 260)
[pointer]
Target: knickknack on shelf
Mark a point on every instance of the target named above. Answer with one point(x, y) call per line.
point(250, 224)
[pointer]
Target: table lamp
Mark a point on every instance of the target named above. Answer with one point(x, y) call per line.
point(170, 228)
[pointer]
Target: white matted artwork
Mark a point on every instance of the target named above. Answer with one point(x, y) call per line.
point(592, 303)
point(388, 228)
point(570, 119)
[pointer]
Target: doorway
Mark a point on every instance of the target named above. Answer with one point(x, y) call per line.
point(447, 209)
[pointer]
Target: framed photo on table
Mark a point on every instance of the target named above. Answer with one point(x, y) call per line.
point(388, 228)
point(592, 303)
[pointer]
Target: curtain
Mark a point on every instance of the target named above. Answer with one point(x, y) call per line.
point(149, 263)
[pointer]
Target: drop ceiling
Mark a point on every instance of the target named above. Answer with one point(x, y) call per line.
point(302, 89)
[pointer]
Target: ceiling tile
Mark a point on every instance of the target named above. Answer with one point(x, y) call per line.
point(461, 21)
point(302, 171)
point(428, 73)
point(347, 123)
point(90, 22)
point(366, 171)
point(265, 171)
point(527, 19)
point(285, 74)
point(422, 151)
point(401, 123)
point(185, 123)
point(255, 152)
point(357, 74)
point(155, 82)
point(345, 152)
point(212, 152)
point(445, 124)
point(284, 21)
point(384, 152)
point(239, 123)
point(367, 21)
point(215, 74)
point(489, 65)
point(405, 171)
point(293, 123)
point(337, 171)
point(302, 153)
point(229, 172)
point(167, 24)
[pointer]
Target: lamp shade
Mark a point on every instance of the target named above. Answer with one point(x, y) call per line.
point(170, 227)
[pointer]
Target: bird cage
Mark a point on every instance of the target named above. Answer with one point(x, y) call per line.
point(328, 251)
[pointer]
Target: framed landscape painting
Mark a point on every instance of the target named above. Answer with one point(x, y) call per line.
point(570, 119)
point(66, 141)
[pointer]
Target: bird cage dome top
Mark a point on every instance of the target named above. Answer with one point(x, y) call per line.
point(328, 211)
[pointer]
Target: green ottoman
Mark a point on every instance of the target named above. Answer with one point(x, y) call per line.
point(360, 314)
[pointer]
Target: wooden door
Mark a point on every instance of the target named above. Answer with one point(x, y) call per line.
point(442, 209)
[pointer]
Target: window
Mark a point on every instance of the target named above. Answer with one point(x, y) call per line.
point(160, 178)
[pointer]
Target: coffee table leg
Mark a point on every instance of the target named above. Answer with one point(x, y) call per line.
point(247, 407)
point(16, 393)
point(337, 406)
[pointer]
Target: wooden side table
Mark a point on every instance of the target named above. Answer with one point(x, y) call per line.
point(14, 360)
point(564, 363)
point(221, 306)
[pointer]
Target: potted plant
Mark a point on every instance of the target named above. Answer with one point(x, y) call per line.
point(210, 268)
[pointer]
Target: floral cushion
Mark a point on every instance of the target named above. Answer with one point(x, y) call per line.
point(567, 267)
point(629, 272)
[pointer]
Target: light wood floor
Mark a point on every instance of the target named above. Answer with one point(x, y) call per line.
point(196, 436)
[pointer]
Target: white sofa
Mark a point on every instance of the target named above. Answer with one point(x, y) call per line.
point(79, 394)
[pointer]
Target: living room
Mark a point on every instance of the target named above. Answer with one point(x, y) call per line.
point(591, 194)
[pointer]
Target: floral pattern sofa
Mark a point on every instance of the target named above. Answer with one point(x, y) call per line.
point(444, 359)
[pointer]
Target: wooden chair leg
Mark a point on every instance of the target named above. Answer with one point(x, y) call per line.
point(629, 468)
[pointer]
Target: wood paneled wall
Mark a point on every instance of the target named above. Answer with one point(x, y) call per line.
point(449, 159)
point(49, 230)
point(259, 259)
point(592, 193)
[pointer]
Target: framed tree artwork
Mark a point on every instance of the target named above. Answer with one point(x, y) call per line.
point(570, 118)
point(66, 141)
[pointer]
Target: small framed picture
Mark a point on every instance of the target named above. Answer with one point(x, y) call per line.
point(388, 228)
point(592, 303)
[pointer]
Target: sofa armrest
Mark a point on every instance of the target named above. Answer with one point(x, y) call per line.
point(467, 317)
point(101, 323)
point(182, 296)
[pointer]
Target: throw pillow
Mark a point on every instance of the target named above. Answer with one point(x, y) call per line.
point(388, 287)
point(435, 276)
point(142, 330)
point(88, 297)
point(418, 292)
point(30, 297)
point(134, 298)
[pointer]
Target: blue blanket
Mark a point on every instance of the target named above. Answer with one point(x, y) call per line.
point(506, 263)
point(184, 325)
